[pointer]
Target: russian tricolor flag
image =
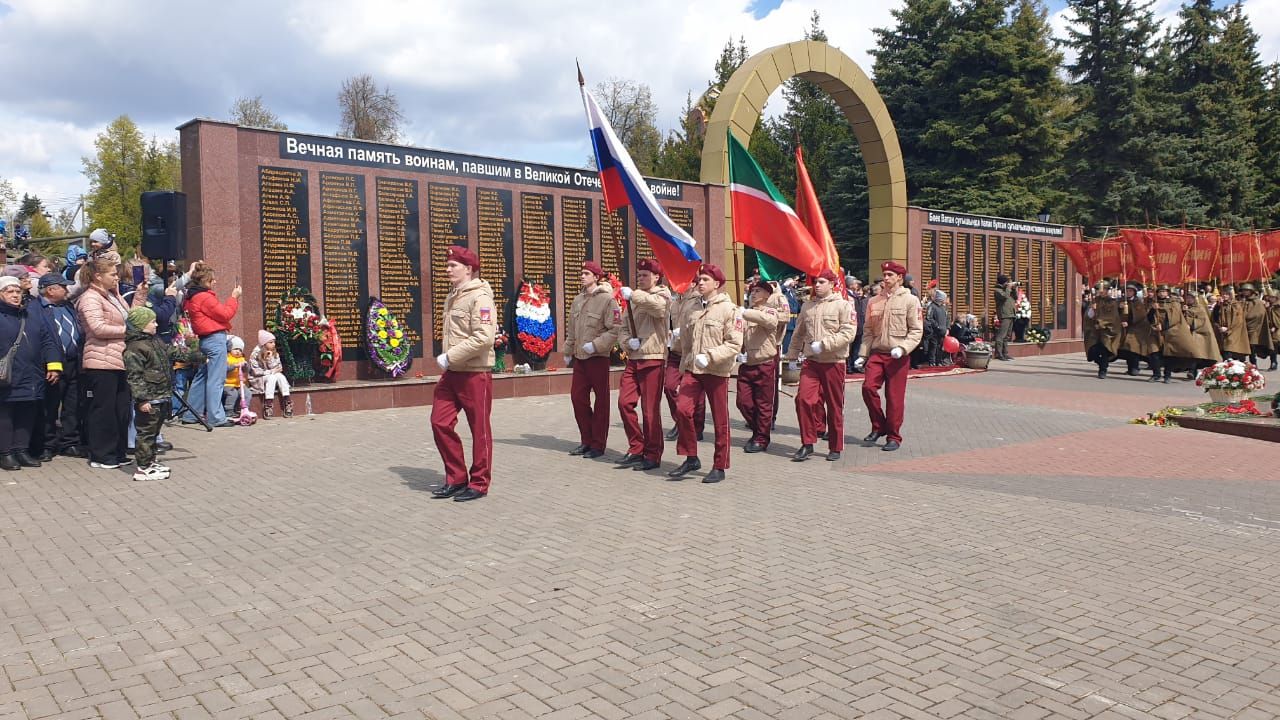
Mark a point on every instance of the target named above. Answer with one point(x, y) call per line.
point(623, 185)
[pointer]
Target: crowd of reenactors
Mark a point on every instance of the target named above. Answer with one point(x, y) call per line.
point(1175, 329)
point(684, 347)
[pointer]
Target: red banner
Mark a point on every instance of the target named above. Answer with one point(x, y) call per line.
point(1140, 242)
point(1202, 261)
point(1170, 251)
point(1269, 246)
point(1115, 260)
point(1082, 256)
point(1239, 258)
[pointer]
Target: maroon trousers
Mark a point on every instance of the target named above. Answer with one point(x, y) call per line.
point(820, 403)
point(591, 376)
point(693, 388)
point(642, 382)
point(883, 370)
point(757, 393)
point(671, 387)
point(471, 392)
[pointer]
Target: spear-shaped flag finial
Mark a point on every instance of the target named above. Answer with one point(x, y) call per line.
point(582, 82)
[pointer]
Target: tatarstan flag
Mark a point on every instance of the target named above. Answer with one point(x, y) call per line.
point(763, 220)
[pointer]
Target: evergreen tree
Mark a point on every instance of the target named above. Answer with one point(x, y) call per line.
point(1268, 134)
point(680, 157)
point(1120, 159)
point(1216, 81)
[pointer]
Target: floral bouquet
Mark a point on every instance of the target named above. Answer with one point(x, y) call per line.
point(1023, 309)
point(388, 347)
point(1231, 375)
point(535, 329)
point(1038, 335)
point(298, 320)
point(978, 346)
point(500, 342)
point(300, 324)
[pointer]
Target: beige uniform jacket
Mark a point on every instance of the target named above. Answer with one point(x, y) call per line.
point(829, 321)
point(892, 321)
point(645, 319)
point(470, 323)
point(760, 336)
point(779, 302)
point(714, 331)
point(594, 318)
point(681, 306)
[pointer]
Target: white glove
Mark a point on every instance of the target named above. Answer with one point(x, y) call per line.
point(702, 361)
point(896, 353)
point(626, 293)
point(589, 348)
point(859, 362)
point(675, 333)
point(567, 358)
point(740, 358)
point(815, 347)
point(1090, 313)
point(738, 315)
point(443, 361)
point(634, 343)
point(793, 365)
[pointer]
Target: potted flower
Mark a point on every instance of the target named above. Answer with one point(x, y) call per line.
point(1230, 381)
point(977, 355)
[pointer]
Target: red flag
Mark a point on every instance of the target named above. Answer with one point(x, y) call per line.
point(1269, 248)
point(1116, 260)
point(763, 220)
point(810, 213)
point(1202, 261)
point(1140, 241)
point(1239, 259)
point(1170, 250)
point(1083, 257)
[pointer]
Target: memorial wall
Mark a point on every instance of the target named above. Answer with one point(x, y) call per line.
point(348, 219)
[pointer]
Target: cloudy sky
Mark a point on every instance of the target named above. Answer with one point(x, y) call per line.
point(482, 76)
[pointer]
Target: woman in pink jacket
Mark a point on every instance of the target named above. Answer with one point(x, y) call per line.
point(102, 315)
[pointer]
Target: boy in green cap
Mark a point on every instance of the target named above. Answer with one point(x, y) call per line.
point(148, 368)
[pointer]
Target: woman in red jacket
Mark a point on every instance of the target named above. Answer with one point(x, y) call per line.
point(211, 321)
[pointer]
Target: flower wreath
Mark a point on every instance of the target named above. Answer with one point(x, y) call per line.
point(535, 328)
point(298, 318)
point(388, 347)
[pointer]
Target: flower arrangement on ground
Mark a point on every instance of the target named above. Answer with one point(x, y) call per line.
point(978, 346)
point(1163, 418)
point(500, 342)
point(535, 328)
point(300, 323)
point(388, 347)
point(1231, 375)
point(1038, 335)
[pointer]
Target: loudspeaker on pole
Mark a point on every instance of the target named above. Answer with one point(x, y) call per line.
point(164, 225)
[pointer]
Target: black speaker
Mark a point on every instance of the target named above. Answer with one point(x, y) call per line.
point(164, 225)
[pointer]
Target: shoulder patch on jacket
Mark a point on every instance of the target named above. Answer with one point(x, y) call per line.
point(486, 315)
point(617, 314)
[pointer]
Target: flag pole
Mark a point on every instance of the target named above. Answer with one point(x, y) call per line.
point(738, 279)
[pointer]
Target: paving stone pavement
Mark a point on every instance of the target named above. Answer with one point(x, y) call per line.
point(1025, 555)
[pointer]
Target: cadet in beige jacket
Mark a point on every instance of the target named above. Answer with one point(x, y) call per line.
point(824, 331)
point(709, 342)
point(590, 338)
point(645, 326)
point(758, 373)
point(681, 304)
point(470, 323)
point(894, 329)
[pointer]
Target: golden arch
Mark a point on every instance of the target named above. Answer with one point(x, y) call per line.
point(738, 109)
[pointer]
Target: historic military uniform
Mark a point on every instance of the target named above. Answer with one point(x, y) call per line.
point(1192, 344)
point(709, 343)
point(469, 325)
point(1107, 322)
point(893, 323)
point(824, 331)
point(1273, 326)
point(645, 323)
point(1164, 315)
point(1006, 306)
point(758, 371)
point(590, 336)
point(1137, 344)
point(1255, 320)
point(1087, 324)
point(1230, 325)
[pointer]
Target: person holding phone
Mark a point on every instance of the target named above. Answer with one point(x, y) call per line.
point(211, 321)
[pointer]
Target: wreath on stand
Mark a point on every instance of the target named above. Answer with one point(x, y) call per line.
point(535, 328)
point(300, 325)
point(388, 348)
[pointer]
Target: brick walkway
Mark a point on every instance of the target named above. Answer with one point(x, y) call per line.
point(1026, 555)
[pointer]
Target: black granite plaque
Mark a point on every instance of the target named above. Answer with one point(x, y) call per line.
point(284, 220)
point(344, 243)
point(537, 238)
point(494, 217)
point(615, 243)
point(447, 218)
point(399, 263)
point(575, 249)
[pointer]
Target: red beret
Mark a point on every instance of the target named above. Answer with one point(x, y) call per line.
point(712, 272)
point(650, 265)
point(760, 284)
point(826, 275)
point(593, 268)
point(463, 256)
point(893, 267)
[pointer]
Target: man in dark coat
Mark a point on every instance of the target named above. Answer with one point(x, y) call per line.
point(35, 362)
point(1006, 306)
